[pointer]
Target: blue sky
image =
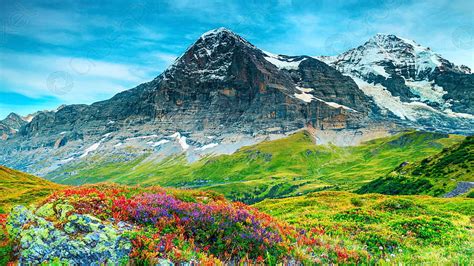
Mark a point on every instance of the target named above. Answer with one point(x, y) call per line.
point(70, 51)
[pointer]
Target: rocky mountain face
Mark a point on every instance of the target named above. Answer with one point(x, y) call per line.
point(222, 82)
point(10, 125)
point(411, 82)
point(223, 93)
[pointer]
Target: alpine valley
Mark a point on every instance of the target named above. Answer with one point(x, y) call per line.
point(365, 157)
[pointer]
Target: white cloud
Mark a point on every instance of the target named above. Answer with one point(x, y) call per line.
point(70, 79)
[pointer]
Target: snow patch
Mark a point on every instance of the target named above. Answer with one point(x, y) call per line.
point(282, 62)
point(142, 137)
point(306, 97)
point(428, 91)
point(387, 102)
point(160, 142)
point(92, 148)
point(66, 160)
point(336, 105)
point(181, 140)
point(380, 70)
point(208, 146)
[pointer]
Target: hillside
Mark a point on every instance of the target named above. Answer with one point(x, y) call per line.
point(109, 224)
point(285, 167)
point(394, 229)
point(113, 224)
point(436, 175)
point(20, 188)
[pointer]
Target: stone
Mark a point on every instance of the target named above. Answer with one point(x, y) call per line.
point(84, 240)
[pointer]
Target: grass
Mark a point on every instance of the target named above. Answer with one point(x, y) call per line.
point(434, 175)
point(20, 188)
point(395, 229)
point(285, 167)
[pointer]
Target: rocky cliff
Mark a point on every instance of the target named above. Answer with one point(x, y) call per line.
point(224, 92)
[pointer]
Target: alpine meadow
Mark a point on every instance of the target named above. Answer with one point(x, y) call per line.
point(166, 132)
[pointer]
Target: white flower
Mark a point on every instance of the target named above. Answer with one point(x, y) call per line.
point(381, 248)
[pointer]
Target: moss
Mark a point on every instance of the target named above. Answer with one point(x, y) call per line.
point(83, 239)
point(46, 210)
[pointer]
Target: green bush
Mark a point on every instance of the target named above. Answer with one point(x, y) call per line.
point(395, 204)
point(358, 215)
point(357, 202)
point(432, 230)
point(470, 194)
point(397, 185)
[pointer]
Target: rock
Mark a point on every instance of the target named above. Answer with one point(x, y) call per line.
point(11, 125)
point(85, 240)
point(461, 188)
point(165, 262)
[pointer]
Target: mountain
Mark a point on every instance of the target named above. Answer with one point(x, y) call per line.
point(21, 188)
point(224, 93)
point(411, 82)
point(284, 167)
point(11, 125)
point(447, 173)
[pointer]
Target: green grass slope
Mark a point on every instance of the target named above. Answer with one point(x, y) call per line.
point(434, 175)
point(20, 188)
point(285, 167)
point(394, 229)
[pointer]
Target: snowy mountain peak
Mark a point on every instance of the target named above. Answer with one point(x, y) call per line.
point(211, 55)
point(386, 55)
point(222, 36)
point(405, 78)
point(217, 31)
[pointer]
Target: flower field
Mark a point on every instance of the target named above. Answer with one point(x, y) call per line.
point(148, 225)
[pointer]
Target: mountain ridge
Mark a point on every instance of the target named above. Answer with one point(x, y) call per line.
point(222, 92)
point(410, 77)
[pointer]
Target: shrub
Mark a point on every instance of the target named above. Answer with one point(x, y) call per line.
point(357, 215)
point(470, 194)
point(432, 230)
point(395, 204)
point(397, 185)
point(357, 202)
